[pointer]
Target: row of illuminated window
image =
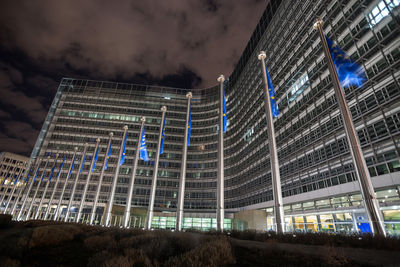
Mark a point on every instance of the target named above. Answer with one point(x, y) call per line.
point(172, 126)
point(63, 148)
point(384, 196)
point(337, 176)
point(198, 127)
point(115, 105)
point(178, 106)
point(196, 151)
point(94, 115)
point(203, 224)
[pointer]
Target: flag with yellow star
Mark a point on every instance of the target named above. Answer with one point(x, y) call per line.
point(271, 91)
point(224, 109)
point(349, 72)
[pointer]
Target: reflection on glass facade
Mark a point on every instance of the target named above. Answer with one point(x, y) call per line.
point(342, 213)
point(315, 164)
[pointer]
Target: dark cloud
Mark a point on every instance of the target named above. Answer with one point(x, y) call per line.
point(172, 43)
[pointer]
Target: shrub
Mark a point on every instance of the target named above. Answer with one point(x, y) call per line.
point(324, 239)
point(98, 243)
point(137, 257)
point(8, 262)
point(332, 257)
point(5, 220)
point(213, 253)
point(130, 257)
point(53, 235)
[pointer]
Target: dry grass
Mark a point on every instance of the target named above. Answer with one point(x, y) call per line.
point(215, 252)
point(53, 235)
point(38, 243)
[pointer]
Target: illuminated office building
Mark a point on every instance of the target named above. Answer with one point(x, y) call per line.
point(319, 186)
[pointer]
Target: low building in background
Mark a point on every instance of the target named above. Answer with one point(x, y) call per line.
point(12, 174)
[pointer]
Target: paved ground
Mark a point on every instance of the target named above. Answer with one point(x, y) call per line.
point(364, 256)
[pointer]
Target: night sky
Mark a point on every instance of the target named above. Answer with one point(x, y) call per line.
point(177, 43)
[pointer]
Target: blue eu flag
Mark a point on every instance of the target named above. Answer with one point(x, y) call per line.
point(95, 158)
point(52, 170)
point(189, 125)
point(224, 109)
point(83, 162)
point(72, 167)
point(44, 173)
point(16, 180)
point(349, 72)
point(143, 148)
point(59, 170)
point(271, 91)
point(29, 174)
point(36, 174)
point(108, 156)
point(123, 150)
point(162, 138)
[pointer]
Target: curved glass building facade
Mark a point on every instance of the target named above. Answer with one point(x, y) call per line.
point(319, 184)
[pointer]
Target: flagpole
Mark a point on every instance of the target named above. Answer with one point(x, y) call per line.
point(57, 211)
point(114, 184)
point(13, 190)
point(128, 205)
point(96, 198)
point(48, 208)
point(181, 197)
point(220, 179)
point(14, 206)
point(275, 175)
point(22, 189)
point(87, 181)
point(29, 190)
point(150, 211)
point(370, 202)
point(37, 189)
point(45, 190)
point(71, 197)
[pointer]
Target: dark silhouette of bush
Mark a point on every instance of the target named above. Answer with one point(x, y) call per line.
point(5, 221)
point(47, 243)
point(322, 239)
point(216, 252)
point(53, 235)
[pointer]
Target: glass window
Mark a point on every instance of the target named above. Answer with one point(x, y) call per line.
point(394, 166)
point(298, 87)
point(312, 223)
point(327, 223)
point(308, 205)
point(299, 222)
point(382, 169)
point(270, 223)
point(380, 11)
point(324, 203)
point(344, 217)
point(296, 207)
point(391, 215)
